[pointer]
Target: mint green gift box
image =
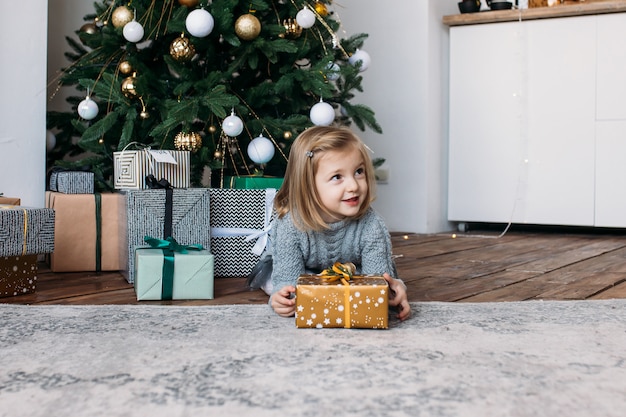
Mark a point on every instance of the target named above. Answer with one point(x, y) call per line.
point(252, 182)
point(190, 276)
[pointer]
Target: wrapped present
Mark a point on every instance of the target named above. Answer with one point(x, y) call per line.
point(359, 301)
point(18, 275)
point(10, 201)
point(240, 222)
point(26, 230)
point(89, 232)
point(72, 182)
point(252, 182)
point(130, 168)
point(180, 213)
point(169, 271)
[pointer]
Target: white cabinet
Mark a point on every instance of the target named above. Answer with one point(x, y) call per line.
point(610, 196)
point(523, 103)
point(611, 56)
point(611, 174)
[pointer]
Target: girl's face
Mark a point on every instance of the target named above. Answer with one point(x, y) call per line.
point(341, 183)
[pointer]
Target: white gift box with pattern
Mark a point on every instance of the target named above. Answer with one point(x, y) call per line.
point(130, 168)
point(240, 223)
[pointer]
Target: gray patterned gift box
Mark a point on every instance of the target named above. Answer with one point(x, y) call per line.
point(240, 222)
point(26, 230)
point(72, 182)
point(145, 215)
point(130, 168)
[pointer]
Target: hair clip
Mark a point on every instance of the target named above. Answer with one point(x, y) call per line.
point(309, 154)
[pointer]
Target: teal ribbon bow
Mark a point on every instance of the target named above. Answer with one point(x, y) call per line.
point(169, 246)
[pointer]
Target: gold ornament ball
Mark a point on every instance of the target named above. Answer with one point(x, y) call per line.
point(320, 8)
point(125, 67)
point(217, 155)
point(287, 135)
point(247, 27)
point(129, 86)
point(189, 3)
point(188, 141)
point(212, 129)
point(121, 15)
point(292, 29)
point(89, 28)
point(181, 49)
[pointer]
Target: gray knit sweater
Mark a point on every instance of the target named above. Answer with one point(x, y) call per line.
point(364, 242)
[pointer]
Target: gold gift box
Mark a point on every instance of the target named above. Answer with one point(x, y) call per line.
point(363, 303)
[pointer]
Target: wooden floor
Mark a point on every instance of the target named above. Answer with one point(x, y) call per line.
point(477, 266)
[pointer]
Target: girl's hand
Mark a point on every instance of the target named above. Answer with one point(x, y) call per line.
point(398, 297)
point(283, 303)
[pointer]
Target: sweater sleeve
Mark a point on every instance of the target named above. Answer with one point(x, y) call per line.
point(288, 258)
point(376, 249)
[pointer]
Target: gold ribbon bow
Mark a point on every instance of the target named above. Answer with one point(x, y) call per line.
point(343, 272)
point(339, 271)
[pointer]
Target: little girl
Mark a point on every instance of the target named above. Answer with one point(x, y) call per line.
point(324, 216)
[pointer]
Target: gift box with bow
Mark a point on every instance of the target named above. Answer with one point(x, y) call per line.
point(240, 223)
point(131, 167)
point(342, 299)
point(167, 270)
point(161, 213)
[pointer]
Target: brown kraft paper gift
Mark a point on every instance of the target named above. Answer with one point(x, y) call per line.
point(76, 232)
point(10, 201)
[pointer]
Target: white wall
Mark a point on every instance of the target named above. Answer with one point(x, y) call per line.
point(406, 85)
point(23, 100)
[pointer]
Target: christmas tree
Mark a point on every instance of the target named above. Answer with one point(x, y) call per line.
point(206, 76)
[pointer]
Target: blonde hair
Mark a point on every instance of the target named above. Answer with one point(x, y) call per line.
point(298, 195)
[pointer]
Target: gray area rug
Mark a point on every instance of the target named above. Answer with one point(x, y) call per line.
point(450, 359)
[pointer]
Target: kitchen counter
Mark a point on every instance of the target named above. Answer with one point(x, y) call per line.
point(568, 9)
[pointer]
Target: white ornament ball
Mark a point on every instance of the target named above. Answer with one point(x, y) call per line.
point(199, 23)
point(232, 125)
point(133, 31)
point(51, 141)
point(88, 109)
point(360, 56)
point(305, 18)
point(261, 150)
point(332, 71)
point(322, 114)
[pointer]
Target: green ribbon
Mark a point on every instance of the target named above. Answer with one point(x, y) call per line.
point(169, 246)
point(98, 201)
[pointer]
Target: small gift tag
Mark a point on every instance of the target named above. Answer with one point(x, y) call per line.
point(162, 156)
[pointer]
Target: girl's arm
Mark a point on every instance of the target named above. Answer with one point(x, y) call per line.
point(288, 264)
point(376, 257)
